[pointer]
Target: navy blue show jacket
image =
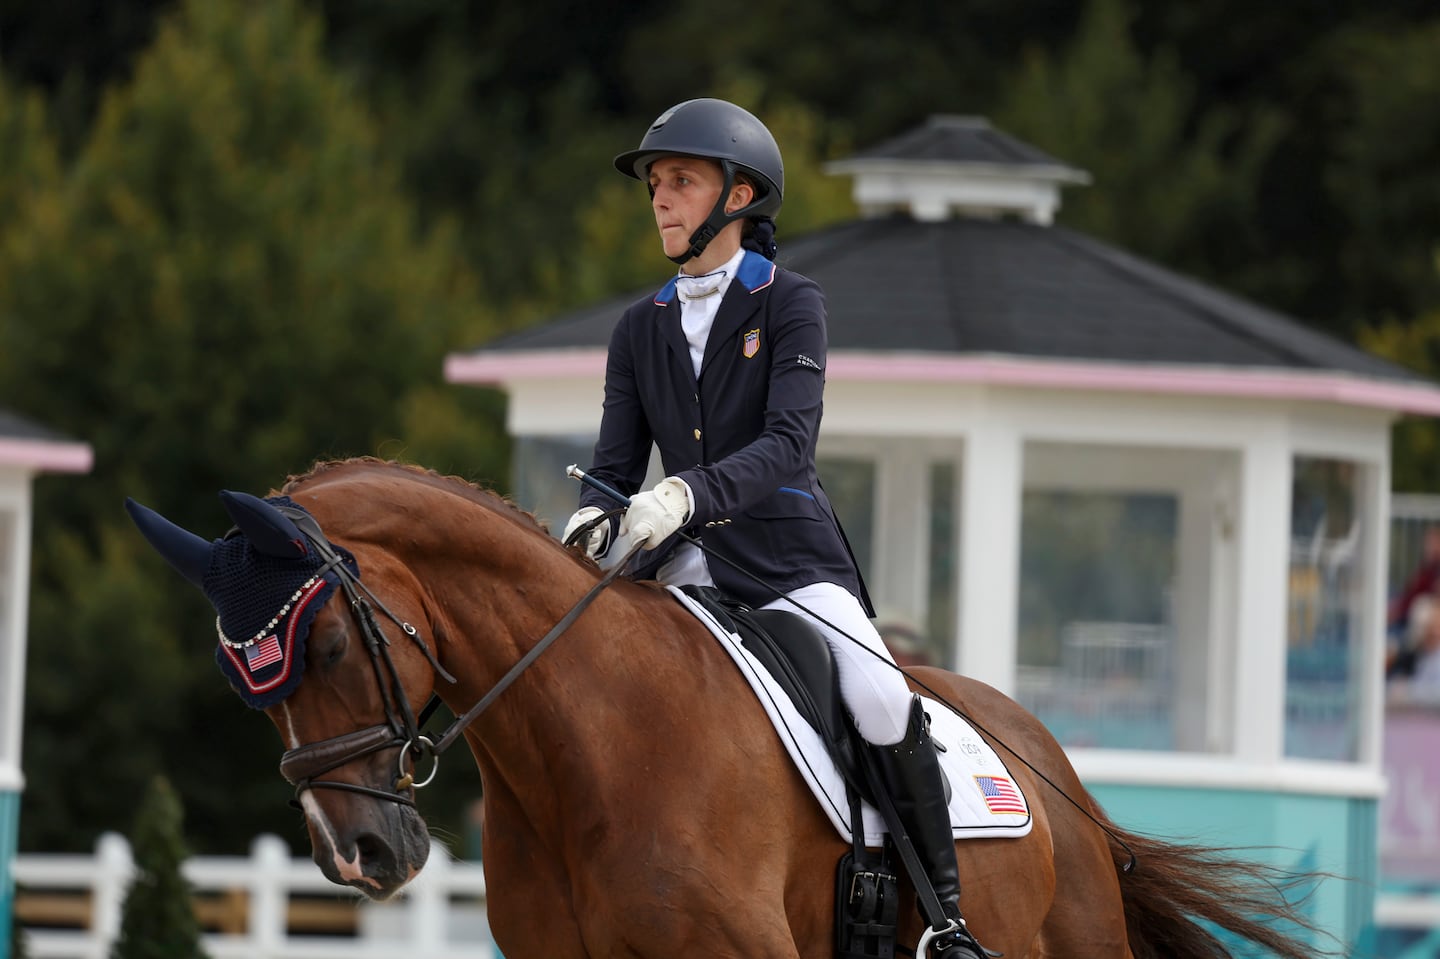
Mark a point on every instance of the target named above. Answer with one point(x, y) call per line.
point(742, 435)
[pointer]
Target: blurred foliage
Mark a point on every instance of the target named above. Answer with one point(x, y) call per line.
point(230, 282)
point(1386, 171)
point(1189, 180)
point(236, 238)
point(1417, 442)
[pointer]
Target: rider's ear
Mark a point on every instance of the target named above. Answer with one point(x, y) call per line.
point(742, 194)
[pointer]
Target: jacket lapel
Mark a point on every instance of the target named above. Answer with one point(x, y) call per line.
point(667, 318)
point(739, 306)
point(742, 301)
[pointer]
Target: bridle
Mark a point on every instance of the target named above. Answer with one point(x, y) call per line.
point(402, 727)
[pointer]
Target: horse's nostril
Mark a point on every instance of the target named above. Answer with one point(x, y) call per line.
point(372, 850)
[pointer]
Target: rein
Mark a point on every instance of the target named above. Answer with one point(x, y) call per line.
point(300, 766)
point(458, 726)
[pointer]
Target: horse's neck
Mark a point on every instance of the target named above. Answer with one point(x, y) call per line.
point(561, 719)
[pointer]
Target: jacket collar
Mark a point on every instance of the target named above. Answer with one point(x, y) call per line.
point(755, 273)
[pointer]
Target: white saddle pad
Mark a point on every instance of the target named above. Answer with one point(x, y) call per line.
point(985, 801)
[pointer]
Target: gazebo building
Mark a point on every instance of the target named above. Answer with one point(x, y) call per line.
point(1151, 511)
point(26, 449)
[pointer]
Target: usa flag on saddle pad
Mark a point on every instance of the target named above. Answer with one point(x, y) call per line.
point(263, 652)
point(1000, 795)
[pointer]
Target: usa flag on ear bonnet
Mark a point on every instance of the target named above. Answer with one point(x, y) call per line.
point(265, 605)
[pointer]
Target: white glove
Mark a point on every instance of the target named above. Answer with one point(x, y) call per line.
point(656, 513)
point(599, 538)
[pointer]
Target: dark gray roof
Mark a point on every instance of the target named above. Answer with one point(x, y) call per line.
point(970, 286)
point(16, 427)
point(958, 139)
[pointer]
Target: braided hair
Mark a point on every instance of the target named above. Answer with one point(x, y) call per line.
point(760, 236)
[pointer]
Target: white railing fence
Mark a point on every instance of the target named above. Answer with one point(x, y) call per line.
point(267, 905)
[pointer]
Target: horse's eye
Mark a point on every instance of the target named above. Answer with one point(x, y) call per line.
point(331, 649)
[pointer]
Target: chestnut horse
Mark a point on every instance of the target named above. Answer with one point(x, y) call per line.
point(638, 801)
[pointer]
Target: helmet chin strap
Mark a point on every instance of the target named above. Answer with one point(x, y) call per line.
point(718, 218)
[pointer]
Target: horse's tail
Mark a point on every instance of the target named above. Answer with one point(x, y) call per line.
point(1173, 884)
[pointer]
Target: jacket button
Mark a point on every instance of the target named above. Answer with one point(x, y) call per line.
point(697, 434)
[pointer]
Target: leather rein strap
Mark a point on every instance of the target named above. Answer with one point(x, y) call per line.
point(473, 713)
point(300, 766)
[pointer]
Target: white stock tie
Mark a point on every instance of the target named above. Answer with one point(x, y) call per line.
point(699, 287)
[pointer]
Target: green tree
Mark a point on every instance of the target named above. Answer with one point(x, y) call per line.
point(229, 283)
point(1172, 180)
point(1383, 172)
point(1383, 176)
point(158, 918)
point(1415, 441)
point(31, 170)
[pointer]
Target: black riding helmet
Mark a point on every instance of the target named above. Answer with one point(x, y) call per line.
point(720, 131)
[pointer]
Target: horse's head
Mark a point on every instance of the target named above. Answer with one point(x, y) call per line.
point(350, 729)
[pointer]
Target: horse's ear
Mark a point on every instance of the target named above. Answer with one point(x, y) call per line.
point(182, 549)
point(268, 530)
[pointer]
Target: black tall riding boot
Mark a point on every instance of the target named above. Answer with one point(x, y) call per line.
point(911, 770)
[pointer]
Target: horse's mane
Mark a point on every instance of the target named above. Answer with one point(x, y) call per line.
point(324, 470)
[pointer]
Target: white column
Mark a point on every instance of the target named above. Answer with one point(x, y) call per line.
point(114, 868)
point(900, 575)
point(14, 596)
point(1262, 586)
point(1190, 612)
point(1373, 508)
point(428, 901)
point(989, 511)
point(269, 920)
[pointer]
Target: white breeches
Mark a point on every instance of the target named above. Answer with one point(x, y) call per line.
point(871, 685)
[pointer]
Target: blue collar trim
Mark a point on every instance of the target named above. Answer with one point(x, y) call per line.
point(755, 273)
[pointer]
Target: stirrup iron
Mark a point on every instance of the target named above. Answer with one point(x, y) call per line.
point(959, 928)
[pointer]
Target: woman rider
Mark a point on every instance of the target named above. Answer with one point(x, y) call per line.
point(723, 370)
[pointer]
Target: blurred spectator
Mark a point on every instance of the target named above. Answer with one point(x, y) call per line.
point(903, 638)
point(1421, 582)
point(1415, 669)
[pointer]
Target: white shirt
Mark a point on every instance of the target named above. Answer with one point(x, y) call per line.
point(697, 314)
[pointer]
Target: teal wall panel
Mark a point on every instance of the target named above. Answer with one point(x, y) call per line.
point(9, 830)
point(1335, 835)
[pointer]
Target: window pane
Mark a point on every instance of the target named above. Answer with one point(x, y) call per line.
point(1322, 674)
point(942, 614)
point(850, 486)
point(1095, 630)
point(541, 485)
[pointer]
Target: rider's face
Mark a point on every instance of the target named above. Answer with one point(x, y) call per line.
point(683, 192)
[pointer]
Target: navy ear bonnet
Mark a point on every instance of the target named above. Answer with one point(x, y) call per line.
point(266, 579)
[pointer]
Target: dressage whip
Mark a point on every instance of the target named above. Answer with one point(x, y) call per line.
point(576, 472)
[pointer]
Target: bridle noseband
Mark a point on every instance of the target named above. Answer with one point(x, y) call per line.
point(300, 766)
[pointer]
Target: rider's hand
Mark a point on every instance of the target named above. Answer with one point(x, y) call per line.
point(599, 539)
point(657, 513)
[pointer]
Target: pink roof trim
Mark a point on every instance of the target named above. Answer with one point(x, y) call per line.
point(1277, 384)
point(495, 369)
point(1253, 383)
point(47, 456)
